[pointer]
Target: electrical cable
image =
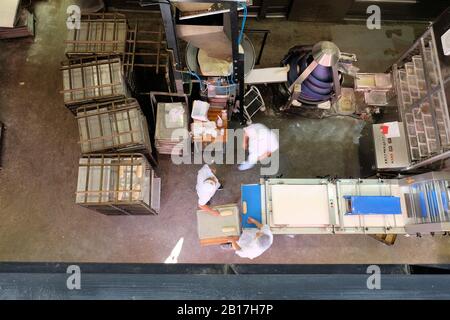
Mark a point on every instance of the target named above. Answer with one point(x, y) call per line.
point(195, 75)
point(241, 33)
point(244, 19)
point(201, 82)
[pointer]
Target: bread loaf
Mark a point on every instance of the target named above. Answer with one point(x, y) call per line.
point(228, 229)
point(226, 213)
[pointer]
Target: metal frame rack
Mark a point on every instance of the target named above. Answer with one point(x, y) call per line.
point(139, 38)
point(101, 33)
point(118, 184)
point(231, 24)
point(253, 102)
point(87, 80)
point(109, 34)
point(118, 126)
point(420, 87)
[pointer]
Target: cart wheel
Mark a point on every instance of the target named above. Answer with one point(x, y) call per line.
point(249, 121)
point(263, 109)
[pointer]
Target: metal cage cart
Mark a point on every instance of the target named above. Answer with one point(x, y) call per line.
point(146, 49)
point(421, 81)
point(117, 126)
point(118, 184)
point(94, 79)
point(101, 33)
point(253, 102)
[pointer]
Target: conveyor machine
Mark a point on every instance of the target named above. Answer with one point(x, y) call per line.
point(418, 204)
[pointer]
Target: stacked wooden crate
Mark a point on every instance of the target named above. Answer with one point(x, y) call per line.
point(114, 126)
point(94, 71)
point(115, 174)
point(118, 184)
point(98, 34)
point(95, 79)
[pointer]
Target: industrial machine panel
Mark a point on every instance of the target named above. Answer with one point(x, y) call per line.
point(390, 153)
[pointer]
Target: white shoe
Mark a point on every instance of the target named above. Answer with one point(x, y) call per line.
point(245, 166)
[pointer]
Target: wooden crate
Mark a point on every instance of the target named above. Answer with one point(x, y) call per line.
point(114, 126)
point(93, 79)
point(118, 184)
point(99, 33)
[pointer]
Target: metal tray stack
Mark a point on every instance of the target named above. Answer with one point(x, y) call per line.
point(118, 184)
point(421, 99)
point(170, 140)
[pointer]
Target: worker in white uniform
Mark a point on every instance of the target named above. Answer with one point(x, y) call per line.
point(261, 143)
point(253, 242)
point(207, 185)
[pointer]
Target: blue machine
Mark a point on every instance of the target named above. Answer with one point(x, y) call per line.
point(373, 205)
point(251, 204)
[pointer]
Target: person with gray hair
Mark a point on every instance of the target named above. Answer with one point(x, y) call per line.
point(253, 242)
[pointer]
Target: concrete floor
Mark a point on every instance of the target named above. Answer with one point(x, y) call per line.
point(40, 221)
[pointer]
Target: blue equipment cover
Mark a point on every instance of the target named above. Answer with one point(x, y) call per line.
point(373, 205)
point(251, 195)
